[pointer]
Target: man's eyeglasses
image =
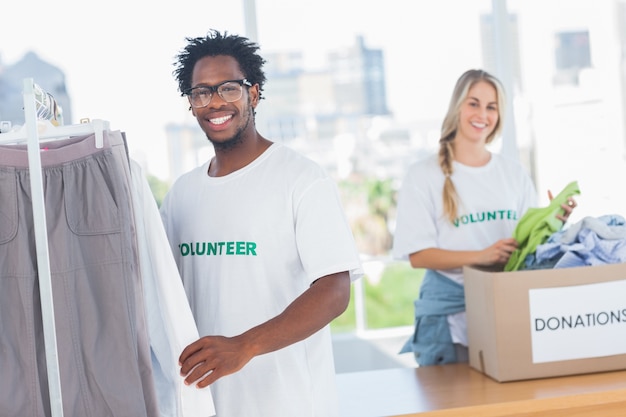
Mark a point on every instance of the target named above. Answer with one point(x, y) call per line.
point(229, 91)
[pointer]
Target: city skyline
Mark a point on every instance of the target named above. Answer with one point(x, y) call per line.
point(118, 64)
point(118, 59)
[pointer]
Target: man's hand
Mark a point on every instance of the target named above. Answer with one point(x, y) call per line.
point(210, 358)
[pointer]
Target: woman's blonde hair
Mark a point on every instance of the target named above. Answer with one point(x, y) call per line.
point(450, 126)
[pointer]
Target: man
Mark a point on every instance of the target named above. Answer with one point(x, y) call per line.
point(262, 244)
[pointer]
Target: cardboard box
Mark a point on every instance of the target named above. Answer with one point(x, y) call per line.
point(544, 323)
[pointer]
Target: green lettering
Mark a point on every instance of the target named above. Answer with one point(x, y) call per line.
point(198, 250)
point(240, 248)
point(218, 248)
point(251, 248)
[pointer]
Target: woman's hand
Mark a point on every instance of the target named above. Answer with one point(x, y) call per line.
point(498, 253)
point(567, 207)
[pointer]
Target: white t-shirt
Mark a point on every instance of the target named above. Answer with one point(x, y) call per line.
point(247, 244)
point(492, 200)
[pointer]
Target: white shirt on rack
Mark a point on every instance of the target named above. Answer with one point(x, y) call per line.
point(170, 322)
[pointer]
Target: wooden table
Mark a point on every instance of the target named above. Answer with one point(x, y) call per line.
point(460, 391)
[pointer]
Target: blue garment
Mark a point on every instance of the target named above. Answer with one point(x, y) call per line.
point(591, 241)
point(610, 226)
point(431, 342)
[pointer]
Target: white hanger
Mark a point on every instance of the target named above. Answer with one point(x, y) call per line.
point(47, 130)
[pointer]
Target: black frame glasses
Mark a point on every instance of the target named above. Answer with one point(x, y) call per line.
point(198, 97)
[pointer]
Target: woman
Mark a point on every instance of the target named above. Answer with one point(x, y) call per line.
point(459, 208)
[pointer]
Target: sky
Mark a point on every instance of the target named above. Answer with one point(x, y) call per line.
point(118, 55)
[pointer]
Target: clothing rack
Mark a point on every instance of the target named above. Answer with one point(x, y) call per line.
point(33, 132)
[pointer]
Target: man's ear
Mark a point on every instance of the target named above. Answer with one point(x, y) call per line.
point(254, 95)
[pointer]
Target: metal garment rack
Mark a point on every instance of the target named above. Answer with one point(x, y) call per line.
point(33, 132)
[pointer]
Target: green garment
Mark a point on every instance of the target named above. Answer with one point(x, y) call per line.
point(537, 225)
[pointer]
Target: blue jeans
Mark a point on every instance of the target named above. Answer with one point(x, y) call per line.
point(431, 342)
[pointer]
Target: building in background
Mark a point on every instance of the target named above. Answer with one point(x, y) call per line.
point(488, 42)
point(500, 42)
point(572, 105)
point(572, 55)
point(187, 148)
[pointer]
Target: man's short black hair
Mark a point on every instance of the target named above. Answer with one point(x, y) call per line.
point(216, 43)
